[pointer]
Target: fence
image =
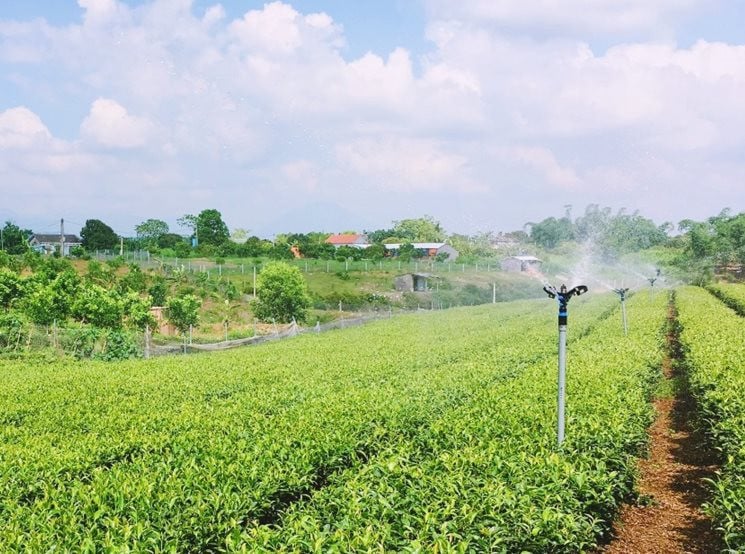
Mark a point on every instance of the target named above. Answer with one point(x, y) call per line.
point(249, 266)
point(85, 342)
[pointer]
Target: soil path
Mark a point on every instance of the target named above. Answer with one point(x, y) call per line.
point(671, 482)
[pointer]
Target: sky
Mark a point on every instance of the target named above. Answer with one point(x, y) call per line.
point(339, 115)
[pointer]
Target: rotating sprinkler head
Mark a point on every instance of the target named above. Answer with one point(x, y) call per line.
point(563, 296)
point(621, 293)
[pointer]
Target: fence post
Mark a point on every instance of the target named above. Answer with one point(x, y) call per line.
point(146, 351)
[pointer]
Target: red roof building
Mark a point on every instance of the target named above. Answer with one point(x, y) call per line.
point(347, 240)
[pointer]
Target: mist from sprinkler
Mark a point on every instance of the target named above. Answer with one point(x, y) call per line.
point(562, 295)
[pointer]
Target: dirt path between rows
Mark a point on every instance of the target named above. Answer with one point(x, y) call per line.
point(671, 486)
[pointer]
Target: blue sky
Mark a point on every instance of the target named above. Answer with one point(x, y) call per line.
point(335, 115)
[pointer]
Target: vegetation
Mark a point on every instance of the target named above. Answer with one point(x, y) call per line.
point(96, 235)
point(358, 439)
point(713, 338)
point(282, 294)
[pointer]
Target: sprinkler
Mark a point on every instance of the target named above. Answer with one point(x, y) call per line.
point(562, 296)
point(622, 294)
point(653, 279)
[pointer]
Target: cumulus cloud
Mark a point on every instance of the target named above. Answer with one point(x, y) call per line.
point(22, 128)
point(400, 163)
point(109, 124)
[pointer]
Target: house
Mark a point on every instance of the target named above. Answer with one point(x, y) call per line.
point(427, 249)
point(517, 264)
point(349, 239)
point(49, 244)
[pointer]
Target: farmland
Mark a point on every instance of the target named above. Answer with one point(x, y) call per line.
point(431, 431)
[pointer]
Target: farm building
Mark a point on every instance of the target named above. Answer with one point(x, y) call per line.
point(427, 249)
point(517, 264)
point(413, 282)
point(353, 240)
point(49, 244)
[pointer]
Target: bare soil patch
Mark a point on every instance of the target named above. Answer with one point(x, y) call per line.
point(668, 518)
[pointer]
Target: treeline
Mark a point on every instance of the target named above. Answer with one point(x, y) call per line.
point(611, 234)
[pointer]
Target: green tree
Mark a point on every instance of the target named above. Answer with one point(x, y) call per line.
point(189, 221)
point(551, 231)
point(96, 235)
point(150, 231)
point(211, 229)
point(98, 306)
point(11, 287)
point(183, 312)
point(13, 239)
point(282, 294)
point(423, 229)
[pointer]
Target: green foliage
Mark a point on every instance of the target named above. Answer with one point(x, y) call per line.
point(550, 232)
point(183, 312)
point(282, 294)
point(406, 252)
point(15, 330)
point(98, 306)
point(11, 287)
point(713, 339)
point(151, 231)
point(426, 434)
point(96, 235)
point(137, 311)
point(211, 229)
point(158, 291)
point(423, 229)
point(14, 239)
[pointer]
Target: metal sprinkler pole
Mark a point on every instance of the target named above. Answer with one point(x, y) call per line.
point(622, 293)
point(562, 296)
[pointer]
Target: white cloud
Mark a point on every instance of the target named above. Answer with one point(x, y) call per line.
point(400, 163)
point(109, 124)
point(544, 161)
point(22, 128)
point(205, 103)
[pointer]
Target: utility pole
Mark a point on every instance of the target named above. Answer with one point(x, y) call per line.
point(121, 246)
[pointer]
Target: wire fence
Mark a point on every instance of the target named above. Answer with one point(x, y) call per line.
point(85, 342)
point(250, 266)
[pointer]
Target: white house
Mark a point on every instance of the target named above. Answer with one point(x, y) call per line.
point(49, 244)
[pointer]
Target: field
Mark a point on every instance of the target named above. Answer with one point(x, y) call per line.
point(428, 432)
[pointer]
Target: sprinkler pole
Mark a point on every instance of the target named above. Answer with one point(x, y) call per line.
point(562, 296)
point(622, 294)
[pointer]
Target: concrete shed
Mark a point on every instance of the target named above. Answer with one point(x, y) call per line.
point(518, 264)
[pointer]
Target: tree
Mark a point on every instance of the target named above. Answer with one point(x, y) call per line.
point(282, 294)
point(551, 231)
point(98, 306)
point(96, 235)
point(189, 221)
point(183, 312)
point(11, 287)
point(13, 239)
point(150, 231)
point(211, 229)
point(423, 229)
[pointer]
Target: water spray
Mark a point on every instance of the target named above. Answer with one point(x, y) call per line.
point(562, 296)
point(653, 279)
point(622, 294)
